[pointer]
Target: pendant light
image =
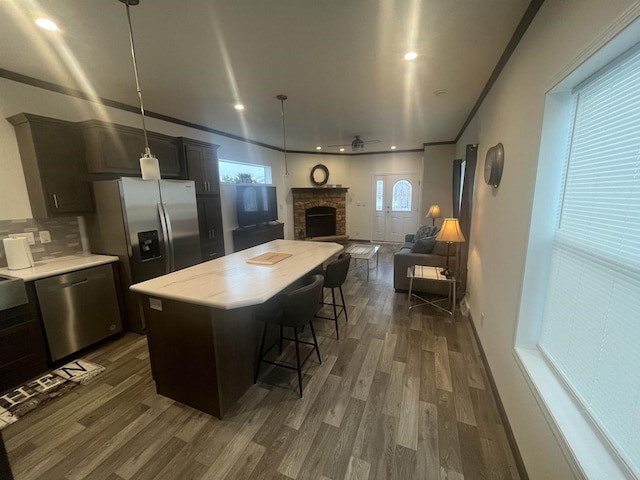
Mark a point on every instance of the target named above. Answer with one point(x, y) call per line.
point(148, 162)
point(282, 98)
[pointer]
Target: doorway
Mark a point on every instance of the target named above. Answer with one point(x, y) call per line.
point(395, 201)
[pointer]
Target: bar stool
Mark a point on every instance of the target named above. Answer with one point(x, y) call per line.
point(295, 310)
point(334, 277)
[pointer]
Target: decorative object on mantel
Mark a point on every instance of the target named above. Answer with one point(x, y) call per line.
point(149, 165)
point(282, 98)
point(493, 165)
point(433, 213)
point(321, 179)
point(450, 233)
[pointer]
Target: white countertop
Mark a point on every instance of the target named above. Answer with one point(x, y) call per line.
point(230, 282)
point(57, 266)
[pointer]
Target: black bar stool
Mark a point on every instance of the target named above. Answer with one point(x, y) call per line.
point(334, 277)
point(295, 310)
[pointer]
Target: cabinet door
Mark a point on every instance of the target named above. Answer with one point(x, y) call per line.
point(202, 165)
point(117, 149)
point(195, 167)
point(60, 152)
point(211, 171)
point(209, 218)
point(212, 251)
point(53, 160)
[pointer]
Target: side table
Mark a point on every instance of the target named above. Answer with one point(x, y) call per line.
point(431, 273)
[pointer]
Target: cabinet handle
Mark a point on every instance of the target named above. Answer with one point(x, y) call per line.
point(55, 200)
point(211, 234)
point(208, 187)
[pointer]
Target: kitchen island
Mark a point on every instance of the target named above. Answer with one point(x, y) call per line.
point(203, 338)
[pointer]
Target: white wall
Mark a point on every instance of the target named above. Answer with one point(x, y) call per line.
point(512, 114)
point(355, 172)
point(437, 182)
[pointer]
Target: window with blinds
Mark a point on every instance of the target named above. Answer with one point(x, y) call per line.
point(591, 326)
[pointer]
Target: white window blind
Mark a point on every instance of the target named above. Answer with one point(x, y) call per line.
point(591, 324)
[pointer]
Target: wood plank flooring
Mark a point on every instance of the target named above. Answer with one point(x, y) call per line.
point(400, 396)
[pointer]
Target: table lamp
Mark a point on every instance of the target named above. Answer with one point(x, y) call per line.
point(434, 212)
point(450, 233)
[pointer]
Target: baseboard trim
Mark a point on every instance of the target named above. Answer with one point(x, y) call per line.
point(503, 414)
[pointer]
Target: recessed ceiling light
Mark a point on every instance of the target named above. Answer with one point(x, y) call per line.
point(342, 149)
point(393, 147)
point(239, 107)
point(318, 148)
point(441, 92)
point(410, 56)
point(47, 24)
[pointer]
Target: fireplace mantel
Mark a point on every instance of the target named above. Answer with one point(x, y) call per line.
point(319, 189)
point(309, 197)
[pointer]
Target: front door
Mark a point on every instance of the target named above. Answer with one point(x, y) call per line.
point(395, 206)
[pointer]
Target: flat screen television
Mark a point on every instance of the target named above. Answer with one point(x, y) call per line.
point(256, 204)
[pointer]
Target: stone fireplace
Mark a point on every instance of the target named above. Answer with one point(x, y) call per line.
point(320, 213)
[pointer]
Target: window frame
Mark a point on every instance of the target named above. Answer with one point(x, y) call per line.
point(267, 171)
point(588, 452)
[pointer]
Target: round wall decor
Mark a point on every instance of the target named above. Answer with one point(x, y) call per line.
point(493, 165)
point(319, 175)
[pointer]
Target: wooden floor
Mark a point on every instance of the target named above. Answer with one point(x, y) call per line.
point(399, 396)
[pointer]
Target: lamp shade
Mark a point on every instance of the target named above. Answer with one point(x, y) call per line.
point(434, 212)
point(450, 231)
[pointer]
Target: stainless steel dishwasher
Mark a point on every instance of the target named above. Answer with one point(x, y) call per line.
point(78, 309)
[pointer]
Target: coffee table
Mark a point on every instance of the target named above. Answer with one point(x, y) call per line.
point(431, 273)
point(363, 251)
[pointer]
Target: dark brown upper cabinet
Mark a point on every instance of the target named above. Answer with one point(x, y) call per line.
point(116, 149)
point(55, 170)
point(202, 165)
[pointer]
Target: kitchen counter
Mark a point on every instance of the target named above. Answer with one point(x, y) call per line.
point(201, 320)
point(230, 282)
point(57, 266)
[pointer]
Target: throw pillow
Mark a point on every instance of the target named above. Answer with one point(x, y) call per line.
point(423, 232)
point(424, 245)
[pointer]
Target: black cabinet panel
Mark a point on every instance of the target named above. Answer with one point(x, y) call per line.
point(53, 159)
point(244, 238)
point(23, 353)
point(116, 149)
point(202, 165)
point(210, 224)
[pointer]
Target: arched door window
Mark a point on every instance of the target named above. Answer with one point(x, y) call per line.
point(401, 196)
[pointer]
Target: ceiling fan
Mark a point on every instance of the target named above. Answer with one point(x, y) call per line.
point(357, 145)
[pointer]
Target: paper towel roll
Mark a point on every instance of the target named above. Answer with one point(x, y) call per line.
point(18, 253)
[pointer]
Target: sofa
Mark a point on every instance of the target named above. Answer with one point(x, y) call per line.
point(422, 248)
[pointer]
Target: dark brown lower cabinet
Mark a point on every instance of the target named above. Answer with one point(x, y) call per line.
point(23, 353)
point(210, 225)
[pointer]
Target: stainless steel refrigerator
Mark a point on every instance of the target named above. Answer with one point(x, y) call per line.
point(152, 225)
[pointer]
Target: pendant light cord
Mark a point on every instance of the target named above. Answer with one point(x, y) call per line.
point(282, 98)
point(135, 71)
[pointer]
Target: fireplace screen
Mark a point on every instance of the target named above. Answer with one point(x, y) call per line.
point(321, 221)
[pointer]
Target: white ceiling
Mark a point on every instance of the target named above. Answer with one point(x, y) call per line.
point(339, 61)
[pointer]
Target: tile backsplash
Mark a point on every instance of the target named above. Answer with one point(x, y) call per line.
point(65, 237)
